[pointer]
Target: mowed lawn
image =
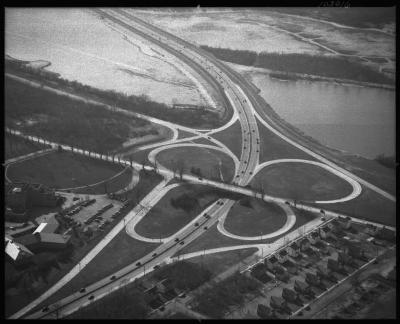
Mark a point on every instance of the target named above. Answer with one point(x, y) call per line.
point(164, 220)
point(301, 181)
point(63, 170)
point(232, 138)
point(257, 218)
point(120, 252)
point(15, 146)
point(222, 261)
point(208, 160)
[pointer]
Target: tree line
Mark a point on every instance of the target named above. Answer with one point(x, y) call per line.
point(326, 66)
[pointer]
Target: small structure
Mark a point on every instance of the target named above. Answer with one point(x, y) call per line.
point(371, 229)
point(345, 222)
point(290, 266)
point(304, 244)
point(264, 311)
point(314, 237)
point(302, 287)
point(293, 250)
point(326, 233)
point(16, 252)
point(386, 234)
point(352, 248)
point(282, 256)
point(333, 224)
point(271, 262)
point(278, 303)
point(291, 296)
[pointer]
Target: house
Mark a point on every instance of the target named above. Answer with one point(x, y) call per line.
point(333, 224)
point(293, 250)
point(278, 303)
point(16, 252)
point(386, 234)
point(302, 287)
point(324, 272)
point(345, 222)
point(326, 233)
point(314, 237)
point(291, 296)
point(264, 311)
point(371, 229)
point(271, 262)
point(304, 244)
point(290, 266)
point(335, 266)
point(352, 248)
point(311, 278)
point(282, 256)
point(321, 246)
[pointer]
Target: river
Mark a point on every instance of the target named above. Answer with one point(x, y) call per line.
point(358, 120)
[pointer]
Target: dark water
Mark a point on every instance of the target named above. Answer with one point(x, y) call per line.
point(355, 119)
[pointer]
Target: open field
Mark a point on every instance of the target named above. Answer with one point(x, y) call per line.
point(232, 138)
point(120, 252)
point(214, 239)
point(120, 181)
point(164, 219)
point(219, 262)
point(255, 219)
point(65, 170)
point(97, 53)
point(15, 146)
point(210, 162)
point(272, 147)
point(301, 181)
point(369, 206)
point(62, 119)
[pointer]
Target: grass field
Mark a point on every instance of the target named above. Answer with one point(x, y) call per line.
point(164, 220)
point(232, 138)
point(212, 238)
point(301, 181)
point(120, 252)
point(64, 170)
point(219, 262)
point(208, 160)
point(15, 146)
point(272, 147)
point(257, 219)
point(119, 182)
point(369, 206)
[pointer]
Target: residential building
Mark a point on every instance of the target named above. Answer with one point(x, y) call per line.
point(314, 237)
point(282, 256)
point(371, 229)
point(345, 222)
point(293, 249)
point(304, 244)
point(271, 262)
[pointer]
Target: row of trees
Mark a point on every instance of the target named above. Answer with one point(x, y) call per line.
point(387, 161)
point(327, 66)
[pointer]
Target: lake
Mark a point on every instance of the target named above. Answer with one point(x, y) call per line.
point(359, 120)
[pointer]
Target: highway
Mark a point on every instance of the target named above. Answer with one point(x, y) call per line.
point(247, 108)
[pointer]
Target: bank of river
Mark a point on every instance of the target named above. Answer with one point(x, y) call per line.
point(359, 120)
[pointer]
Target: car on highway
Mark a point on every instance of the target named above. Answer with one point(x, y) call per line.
point(182, 242)
point(82, 290)
point(196, 224)
point(205, 227)
point(154, 255)
point(138, 264)
point(176, 240)
point(200, 178)
point(91, 297)
point(113, 278)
